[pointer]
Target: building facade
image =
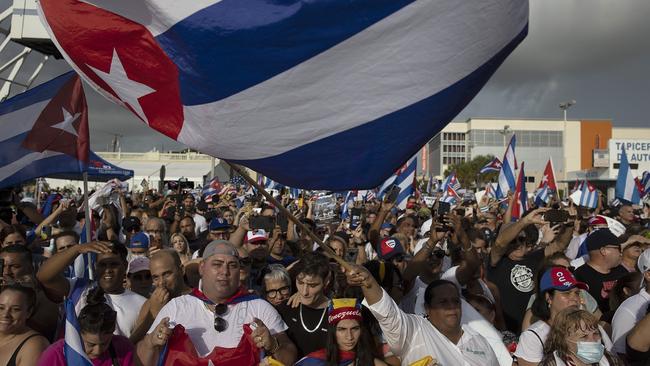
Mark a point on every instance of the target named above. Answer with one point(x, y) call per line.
point(579, 148)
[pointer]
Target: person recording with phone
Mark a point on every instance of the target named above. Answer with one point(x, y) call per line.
point(513, 260)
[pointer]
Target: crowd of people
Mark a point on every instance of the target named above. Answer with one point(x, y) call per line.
point(180, 279)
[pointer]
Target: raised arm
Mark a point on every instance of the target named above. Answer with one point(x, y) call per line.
point(509, 232)
point(373, 232)
point(50, 275)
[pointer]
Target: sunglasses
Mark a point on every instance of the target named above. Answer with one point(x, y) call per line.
point(220, 324)
point(245, 261)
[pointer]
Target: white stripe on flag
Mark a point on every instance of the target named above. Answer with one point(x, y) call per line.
point(342, 73)
point(20, 121)
point(11, 169)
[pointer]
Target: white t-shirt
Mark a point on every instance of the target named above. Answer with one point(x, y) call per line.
point(198, 321)
point(531, 347)
point(630, 312)
point(127, 306)
point(412, 337)
point(200, 224)
point(531, 342)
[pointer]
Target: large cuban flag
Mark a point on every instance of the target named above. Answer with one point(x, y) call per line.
point(44, 131)
point(316, 94)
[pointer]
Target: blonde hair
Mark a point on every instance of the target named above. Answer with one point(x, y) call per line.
point(566, 323)
point(186, 252)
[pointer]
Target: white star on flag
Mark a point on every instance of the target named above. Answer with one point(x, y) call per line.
point(66, 124)
point(127, 90)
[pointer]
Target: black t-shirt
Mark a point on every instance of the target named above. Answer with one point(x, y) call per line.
point(516, 284)
point(600, 284)
point(314, 320)
point(199, 243)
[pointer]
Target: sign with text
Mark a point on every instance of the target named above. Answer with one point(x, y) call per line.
point(638, 154)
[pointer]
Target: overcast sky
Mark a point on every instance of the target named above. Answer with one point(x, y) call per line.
point(594, 51)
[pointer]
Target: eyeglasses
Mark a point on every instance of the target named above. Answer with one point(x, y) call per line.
point(284, 291)
point(220, 324)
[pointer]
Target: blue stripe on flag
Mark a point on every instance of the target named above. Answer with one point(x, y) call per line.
point(73, 347)
point(43, 167)
point(413, 124)
point(259, 40)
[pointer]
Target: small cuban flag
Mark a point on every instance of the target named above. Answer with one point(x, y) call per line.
point(73, 348)
point(542, 196)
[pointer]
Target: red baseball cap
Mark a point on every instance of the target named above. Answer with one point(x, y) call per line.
point(559, 278)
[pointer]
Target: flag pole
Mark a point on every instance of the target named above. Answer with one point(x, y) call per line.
point(87, 221)
point(326, 249)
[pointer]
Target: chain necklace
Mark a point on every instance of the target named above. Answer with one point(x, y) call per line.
point(317, 325)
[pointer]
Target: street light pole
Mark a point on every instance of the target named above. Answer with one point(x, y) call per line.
point(564, 106)
point(504, 132)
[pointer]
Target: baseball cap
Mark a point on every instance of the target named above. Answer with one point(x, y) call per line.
point(389, 248)
point(139, 240)
point(598, 220)
point(218, 223)
point(220, 247)
point(601, 238)
point(644, 264)
point(559, 278)
point(386, 225)
point(257, 235)
point(131, 222)
point(138, 264)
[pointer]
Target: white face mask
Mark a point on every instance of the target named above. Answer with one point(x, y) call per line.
point(590, 352)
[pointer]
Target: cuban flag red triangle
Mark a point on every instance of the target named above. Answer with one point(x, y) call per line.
point(62, 126)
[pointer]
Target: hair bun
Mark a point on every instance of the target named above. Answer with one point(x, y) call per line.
point(96, 296)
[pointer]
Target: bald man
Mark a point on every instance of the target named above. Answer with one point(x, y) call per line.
point(215, 314)
point(167, 277)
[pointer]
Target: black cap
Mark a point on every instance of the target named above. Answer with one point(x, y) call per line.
point(131, 222)
point(601, 238)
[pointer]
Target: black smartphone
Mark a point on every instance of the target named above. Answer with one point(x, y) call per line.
point(393, 192)
point(262, 222)
point(283, 221)
point(556, 216)
point(443, 208)
point(355, 217)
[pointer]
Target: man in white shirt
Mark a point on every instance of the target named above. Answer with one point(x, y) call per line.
point(110, 271)
point(414, 337)
point(632, 310)
point(216, 315)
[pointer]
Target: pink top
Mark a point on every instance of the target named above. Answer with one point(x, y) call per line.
point(53, 355)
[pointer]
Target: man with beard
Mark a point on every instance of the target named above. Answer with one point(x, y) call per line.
point(215, 317)
point(256, 244)
point(110, 270)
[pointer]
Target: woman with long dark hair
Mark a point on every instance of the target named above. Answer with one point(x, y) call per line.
point(19, 344)
point(349, 343)
point(96, 325)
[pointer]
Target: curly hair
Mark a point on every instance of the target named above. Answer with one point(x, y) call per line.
point(567, 322)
